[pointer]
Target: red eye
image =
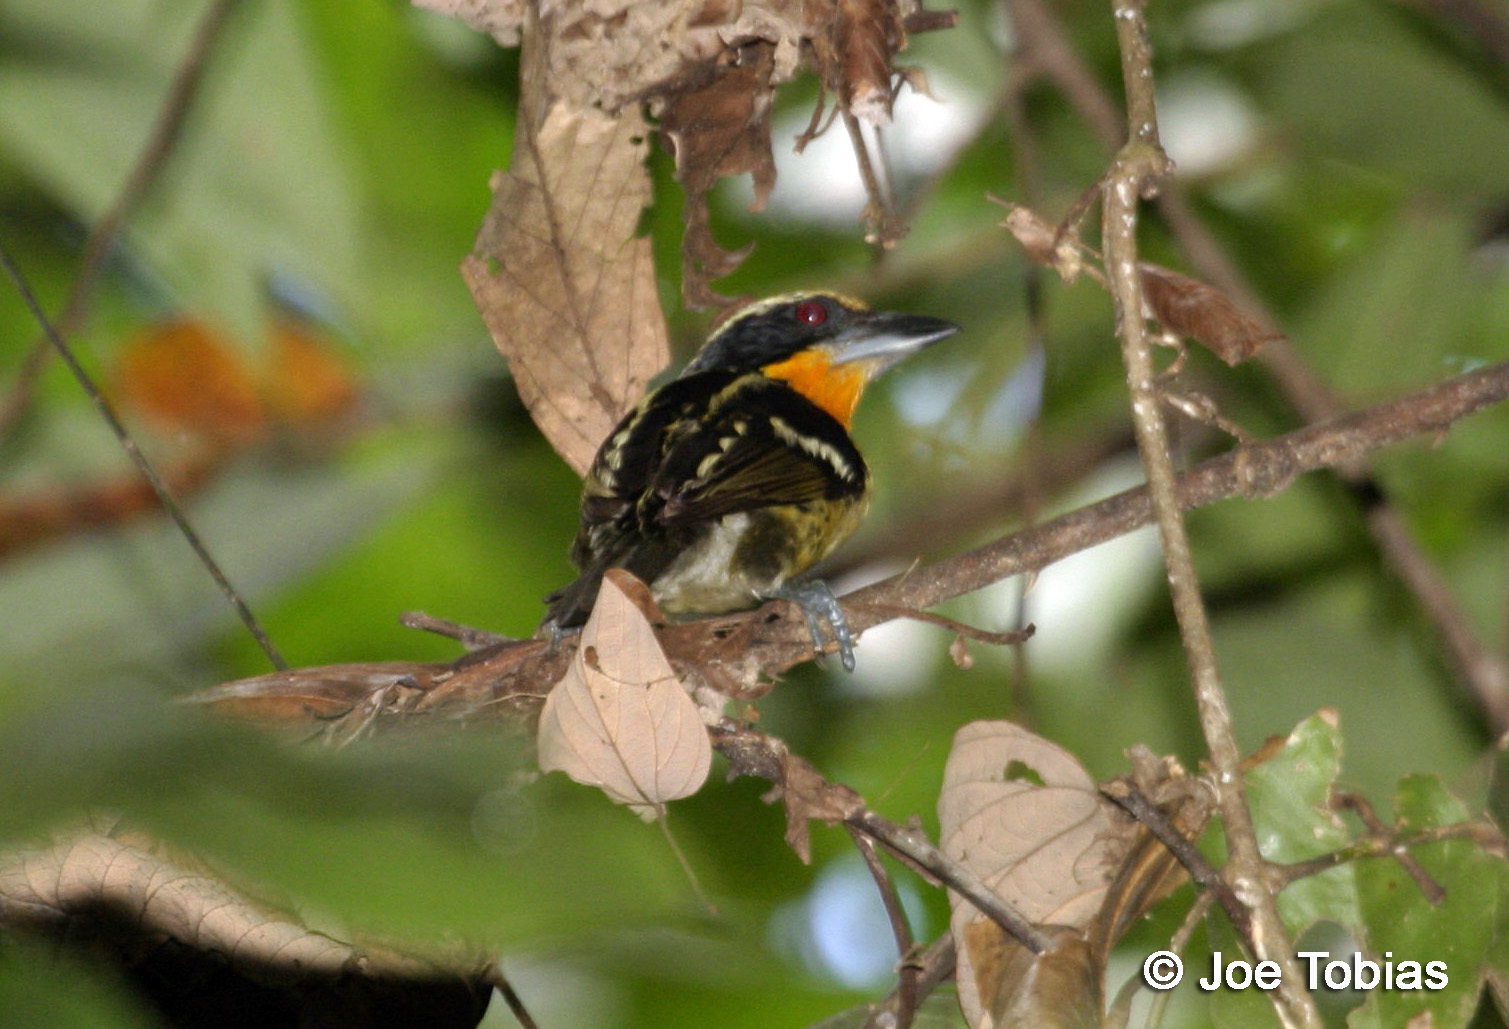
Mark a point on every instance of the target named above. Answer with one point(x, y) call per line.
point(811, 312)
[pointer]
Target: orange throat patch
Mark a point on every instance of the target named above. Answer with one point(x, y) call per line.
point(834, 388)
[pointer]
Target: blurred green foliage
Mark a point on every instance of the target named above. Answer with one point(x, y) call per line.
point(339, 160)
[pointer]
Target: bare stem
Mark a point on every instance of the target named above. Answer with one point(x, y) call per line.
point(1135, 173)
point(751, 752)
point(128, 443)
point(154, 156)
point(1483, 673)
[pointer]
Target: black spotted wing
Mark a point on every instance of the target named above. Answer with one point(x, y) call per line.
point(762, 444)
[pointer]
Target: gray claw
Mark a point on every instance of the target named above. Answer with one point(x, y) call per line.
point(818, 603)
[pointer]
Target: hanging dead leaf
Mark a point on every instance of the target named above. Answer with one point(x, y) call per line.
point(1057, 989)
point(1192, 308)
point(718, 124)
point(566, 288)
point(1043, 242)
point(867, 34)
point(807, 795)
point(1025, 816)
point(711, 67)
point(620, 719)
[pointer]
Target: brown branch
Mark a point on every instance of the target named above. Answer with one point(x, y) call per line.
point(901, 931)
point(1012, 497)
point(1136, 172)
point(149, 164)
point(1386, 842)
point(931, 967)
point(1135, 803)
point(1485, 675)
point(1256, 470)
point(515, 1003)
point(736, 651)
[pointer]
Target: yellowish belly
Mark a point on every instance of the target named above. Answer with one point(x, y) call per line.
point(745, 557)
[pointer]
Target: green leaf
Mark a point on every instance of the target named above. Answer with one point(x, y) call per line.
point(1403, 926)
point(1288, 795)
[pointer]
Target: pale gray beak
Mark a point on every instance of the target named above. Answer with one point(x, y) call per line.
point(881, 338)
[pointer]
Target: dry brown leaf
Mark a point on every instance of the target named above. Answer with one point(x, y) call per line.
point(557, 300)
point(303, 696)
point(807, 795)
point(1022, 814)
point(853, 44)
point(620, 719)
point(867, 34)
point(719, 125)
point(1192, 308)
point(1025, 816)
point(159, 915)
point(1043, 242)
point(565, 287)
point(1057, 989)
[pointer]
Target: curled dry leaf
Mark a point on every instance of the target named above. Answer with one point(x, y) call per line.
point(620, 719)
point(166, 921)
point(565, 287)
point(710, 67)
point(718, 124)
point(1192, 308)
point(1043, 242)
point(1025, 816)
point(807, 795)
point(1022, 814)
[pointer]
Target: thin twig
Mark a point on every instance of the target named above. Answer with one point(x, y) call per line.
point(1483, 673)
point(1177, 943)
point(953, 625)
point(149, 164)
point(1390, 843)
point(901, 931)
point(1205, 875)
point(515, 1003)
point(128, 443)
point(1257, 470)
point(468, 636)
point(1363, 809)
point(751, 752)
point(914, 846)
point(1136, 172)
point(932, 966)
point(883, 227)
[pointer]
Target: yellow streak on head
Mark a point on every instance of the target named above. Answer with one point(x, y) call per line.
point(834, 388)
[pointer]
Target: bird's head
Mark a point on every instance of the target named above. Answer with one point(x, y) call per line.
point(826, 346)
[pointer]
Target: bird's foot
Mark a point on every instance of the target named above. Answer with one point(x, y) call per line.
point(551, 630)
point(819, 604)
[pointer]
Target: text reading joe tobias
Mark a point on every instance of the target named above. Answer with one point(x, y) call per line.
point(1164, 969)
